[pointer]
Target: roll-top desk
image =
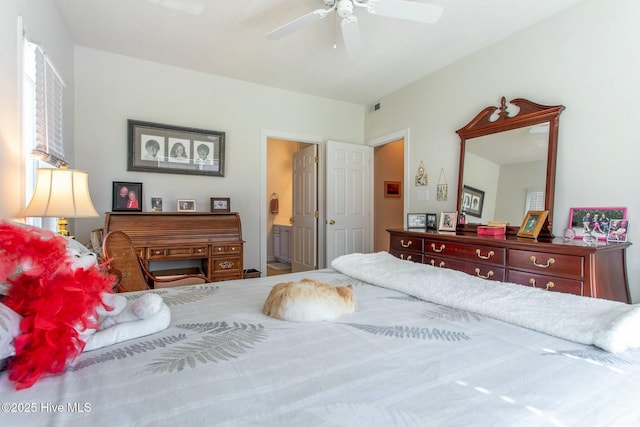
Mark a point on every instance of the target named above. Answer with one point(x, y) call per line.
point(214, 238)
point(571, 267)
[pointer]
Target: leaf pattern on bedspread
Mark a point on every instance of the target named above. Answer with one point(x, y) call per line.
point(407, 298)
point(223, 343)
point(129, 350)
point(184, 295)
point(452, 315)
point(411, 332)
point(629, 357)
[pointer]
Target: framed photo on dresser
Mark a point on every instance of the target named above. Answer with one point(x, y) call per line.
point(594, 221)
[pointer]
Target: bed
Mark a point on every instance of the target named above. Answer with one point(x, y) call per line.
point(399, 360)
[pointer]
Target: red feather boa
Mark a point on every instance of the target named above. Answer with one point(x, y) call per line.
point(55, 299)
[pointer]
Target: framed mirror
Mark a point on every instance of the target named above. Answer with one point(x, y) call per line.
point(508, 155)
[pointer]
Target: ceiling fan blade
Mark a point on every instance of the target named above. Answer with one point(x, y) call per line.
point(351, 36)
point(409, 10)
point(298, 23)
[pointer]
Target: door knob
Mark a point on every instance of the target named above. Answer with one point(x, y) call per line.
point(331, 222)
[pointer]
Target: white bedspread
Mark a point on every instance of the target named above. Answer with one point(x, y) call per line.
point(397, 361)
point(610, 325)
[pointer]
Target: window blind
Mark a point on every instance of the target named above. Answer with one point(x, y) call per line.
point(49, 88)
point(535, 200)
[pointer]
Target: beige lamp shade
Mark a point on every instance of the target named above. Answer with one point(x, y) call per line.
point(61, 193)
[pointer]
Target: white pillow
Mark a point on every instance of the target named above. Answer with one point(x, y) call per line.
point(9, 329)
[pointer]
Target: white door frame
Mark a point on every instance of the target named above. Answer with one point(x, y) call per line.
point(265, 134)
point(408, 179)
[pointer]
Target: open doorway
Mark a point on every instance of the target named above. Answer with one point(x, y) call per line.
point(388, 165)
point(284, 246)
point(390, 160)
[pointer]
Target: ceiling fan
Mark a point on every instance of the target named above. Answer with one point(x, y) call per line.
point(402, 9)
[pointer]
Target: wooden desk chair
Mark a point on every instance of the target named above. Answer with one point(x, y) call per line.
point(130, 269)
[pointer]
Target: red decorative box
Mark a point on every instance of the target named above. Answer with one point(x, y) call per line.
point(487, 230)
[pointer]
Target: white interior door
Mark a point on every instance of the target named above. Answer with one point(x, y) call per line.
point(348, 199)
point(304, 251)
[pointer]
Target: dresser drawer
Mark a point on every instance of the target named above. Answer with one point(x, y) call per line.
point(569, 266)
point(409, 256)
point(177, 252)
point(403, 243)
point(485, 271)
point(550, 283)
point(227, 264)
point(469, 252)
point(227, 249)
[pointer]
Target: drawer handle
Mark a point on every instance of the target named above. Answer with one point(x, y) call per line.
point(550, 285)
point(408, 258)
point(547, 265)
point(489, 274)
point(405, 245)
point(433, 246)
point(226, 265)
point(488, 256)
point(433, 262)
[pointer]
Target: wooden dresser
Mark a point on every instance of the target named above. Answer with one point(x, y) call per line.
point(214, 238)
point(553, 264)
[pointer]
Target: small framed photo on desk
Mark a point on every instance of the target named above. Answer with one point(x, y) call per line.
point(220, 204)
point(185, 205)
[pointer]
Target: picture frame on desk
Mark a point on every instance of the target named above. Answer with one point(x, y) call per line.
point(186, 205)
point(417, 221)
point(156, 204)
point(127, 197)
point(220, 204)
point(155, 147)
point(448, 221)
point(532, 224)
point(618, 230)
point(589, 220)
point(432, 221)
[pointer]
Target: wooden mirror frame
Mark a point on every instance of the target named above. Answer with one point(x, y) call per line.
point(529, 114)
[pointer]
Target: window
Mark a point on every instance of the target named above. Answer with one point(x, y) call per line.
point(535, 201)
point(42, 119)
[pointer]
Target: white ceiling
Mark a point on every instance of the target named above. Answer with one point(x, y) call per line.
point(227, 38)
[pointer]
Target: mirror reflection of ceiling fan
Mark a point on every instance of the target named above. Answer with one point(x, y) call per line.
point(402, 9)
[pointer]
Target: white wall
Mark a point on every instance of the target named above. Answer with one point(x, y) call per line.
point(584, 58)
point(44, 24)
point(111, 89)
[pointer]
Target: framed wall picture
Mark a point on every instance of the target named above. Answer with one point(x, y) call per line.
point(156, 204)
point(417, 221)
point(186, 205)
point(155, 147)
point(532, 224)
point(448, 221)
point(472, 201)
point(220, 204)
point(595, 221)
point(127, 196)
point(392, 189)
point(432, 221)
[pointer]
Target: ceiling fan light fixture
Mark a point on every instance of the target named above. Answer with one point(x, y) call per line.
point(345, 8)
point(401, 9)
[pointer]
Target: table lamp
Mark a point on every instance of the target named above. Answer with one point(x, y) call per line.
point(61, 193)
